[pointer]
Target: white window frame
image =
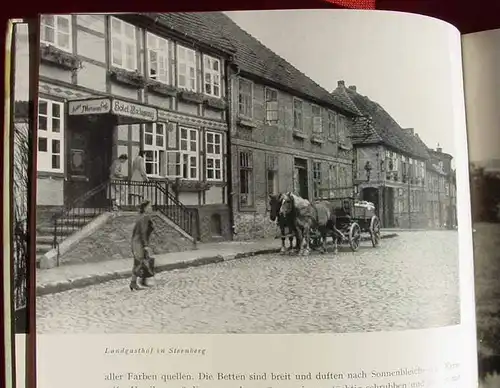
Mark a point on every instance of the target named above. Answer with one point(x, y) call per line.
point(153, 45)
point(57, 31)
point(271, 105)
point(250, 113)
point(158, 151)
point(190, 154)
point(191, 82)
point(44, 158)
point(124, 42)
point(208, 70)
point(317, 120)
point(213, 156)
point(301, 128)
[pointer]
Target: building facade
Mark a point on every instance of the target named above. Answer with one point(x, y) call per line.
point(286, 134)
point(389, 162)
point(118, 84)
point(441, 190)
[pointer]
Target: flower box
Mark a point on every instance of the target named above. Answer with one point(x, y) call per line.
point(189, 96)
point(163, 89)
point(130, 78)
point(186, 185)
point(299, 134)
point(246, 122)
point(215, 103)
point(317, 138)
point(60, 58)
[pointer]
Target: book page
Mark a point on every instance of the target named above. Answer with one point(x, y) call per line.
point(252, 199)
point(481, 54)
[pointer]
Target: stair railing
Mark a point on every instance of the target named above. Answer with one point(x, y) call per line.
point(70, 217)
point(186, 218)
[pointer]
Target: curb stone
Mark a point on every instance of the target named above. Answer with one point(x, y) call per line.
point(85, 281)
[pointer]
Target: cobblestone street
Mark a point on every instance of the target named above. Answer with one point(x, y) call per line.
point(409, 282)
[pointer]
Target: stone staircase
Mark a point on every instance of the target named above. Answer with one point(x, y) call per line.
point(75, 220)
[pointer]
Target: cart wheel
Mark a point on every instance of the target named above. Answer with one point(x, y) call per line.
point(354, 236)
point(375, 231)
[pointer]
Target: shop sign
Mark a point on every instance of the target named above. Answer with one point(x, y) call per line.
point(89, 107)
point(136, 111)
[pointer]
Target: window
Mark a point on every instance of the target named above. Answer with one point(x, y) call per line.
point(212, 76)
point(272, 174)
point(154, 148)
point(55, 30)
point(298, 118)
point(245, 98)
point(317, 119)
point(332, 180)
point(271, 106)
point(341, 128)
point(158, 62)
point(189, 153)
point(317, 179)
point(332, 125)
point(186, 68)
point(123, 45)
point(50, 136)
point(246, 179)
point(213, 147)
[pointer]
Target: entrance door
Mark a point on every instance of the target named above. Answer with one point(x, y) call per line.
point(389, 207)
point(89, 144)
point(301, 186)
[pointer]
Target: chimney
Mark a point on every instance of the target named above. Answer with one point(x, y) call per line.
point(439, 149)
point(411, 131)
point(352, 87)
point(341, 84)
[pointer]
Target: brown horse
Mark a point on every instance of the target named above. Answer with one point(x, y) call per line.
point(308, 216)
point(283, 222)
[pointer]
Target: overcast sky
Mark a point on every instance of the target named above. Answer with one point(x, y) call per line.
point(481, 52)
point(401, 61)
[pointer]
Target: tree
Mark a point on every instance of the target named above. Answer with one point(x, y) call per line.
point(21, 160)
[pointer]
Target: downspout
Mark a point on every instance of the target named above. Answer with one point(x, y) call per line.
point(229, 66)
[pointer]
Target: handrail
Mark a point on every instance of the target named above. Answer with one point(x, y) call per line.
point(186, 218)
point(74, 219)
point(127, 194)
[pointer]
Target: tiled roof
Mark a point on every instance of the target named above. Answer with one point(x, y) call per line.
point(378, 125)
point(251, 56)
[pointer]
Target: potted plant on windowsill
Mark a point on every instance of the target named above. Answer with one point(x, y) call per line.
point(190, 96)
point(60, 58)
point(127, 77)
point(317, 137)
point(161, 88)
point(215, 103)
point(299, 134)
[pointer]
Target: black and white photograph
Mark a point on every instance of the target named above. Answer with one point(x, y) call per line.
point(21, 157)
point(256, 172)
point(481, 61)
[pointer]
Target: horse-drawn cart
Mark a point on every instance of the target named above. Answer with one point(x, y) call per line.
point(353, 219)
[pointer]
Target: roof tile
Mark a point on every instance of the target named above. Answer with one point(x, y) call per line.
point(253, 57)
